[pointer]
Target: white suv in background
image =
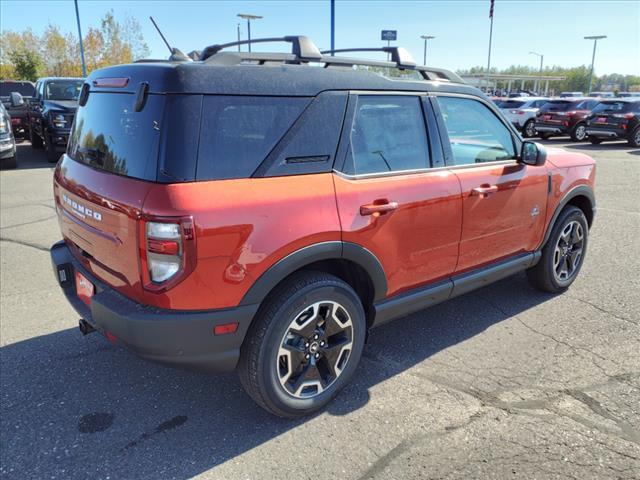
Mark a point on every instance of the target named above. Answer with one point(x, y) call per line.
point(522, 113)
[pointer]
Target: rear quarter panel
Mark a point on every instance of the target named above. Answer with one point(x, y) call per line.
point(243, 227)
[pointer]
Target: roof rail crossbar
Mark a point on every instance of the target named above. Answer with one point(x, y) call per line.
point(400, 56)
point(301, 46)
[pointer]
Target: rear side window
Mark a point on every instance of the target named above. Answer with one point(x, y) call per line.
point(475, 132)
point(388, 134)
point(238, 132)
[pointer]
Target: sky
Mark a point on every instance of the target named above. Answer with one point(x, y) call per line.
point(552, 28)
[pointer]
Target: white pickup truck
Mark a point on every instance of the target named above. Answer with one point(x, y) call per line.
point(522, 112)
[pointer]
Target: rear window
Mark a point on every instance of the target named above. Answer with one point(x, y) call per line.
point(556, 106)
point(237, 133)
point(23, 88)
point(511, 104)
point(109, 135)
point(616, 107)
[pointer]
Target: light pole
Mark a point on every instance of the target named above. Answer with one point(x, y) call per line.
point(239, 37)
point(84, 65)
point(425, 38)
point(540, 73)
point(248, 17)
point(595, 39)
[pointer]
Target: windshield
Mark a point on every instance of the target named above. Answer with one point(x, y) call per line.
point(63, 89)
point(25, 89)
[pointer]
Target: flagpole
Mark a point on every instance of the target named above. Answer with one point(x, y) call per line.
point(490, 38)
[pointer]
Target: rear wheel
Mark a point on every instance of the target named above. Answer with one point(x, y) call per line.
point(304, 346)
point(544, 135)
point(529, 129)
point(595, 140)
point(36, 141)
point(634, 139)
point(563, 255)
point(52, 155)
point(579, 133)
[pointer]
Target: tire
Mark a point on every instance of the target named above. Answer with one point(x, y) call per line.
point(544, 275)
point(544, 135)
point(529, 129)
point(595, 140)
point(634, 139)
point(269, 372)
point(579, 132)
point(52, 155)
point(36, 141)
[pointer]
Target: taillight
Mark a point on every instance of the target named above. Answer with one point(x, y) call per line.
point(167, 251)
point(517, 112)
point(627, 116)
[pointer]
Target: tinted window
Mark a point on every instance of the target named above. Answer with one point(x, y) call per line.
point(616, 107)
point(475, 133)
point(237, 133)
point(511, 104)
point(586, 104)
point(388, 134)
point(63, 89)
point(109, 135)
point(23, 88)
point(556, 106)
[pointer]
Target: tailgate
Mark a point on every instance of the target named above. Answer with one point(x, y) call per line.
point(98, 213)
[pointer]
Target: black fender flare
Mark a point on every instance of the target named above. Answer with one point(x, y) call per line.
point(580, 190)
point(332, 250)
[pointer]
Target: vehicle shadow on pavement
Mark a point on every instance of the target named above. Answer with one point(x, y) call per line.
point(28, 158)
point(79, 407)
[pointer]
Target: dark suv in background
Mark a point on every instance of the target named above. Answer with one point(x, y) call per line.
point(15, 96)
point(565, 116)
point(51, 114)
point(617, 119)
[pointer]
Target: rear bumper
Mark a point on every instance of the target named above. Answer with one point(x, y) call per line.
point(606, 132)
point(181, 339)
point(557, 129)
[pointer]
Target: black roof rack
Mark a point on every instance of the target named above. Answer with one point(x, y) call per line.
point(303, 50)
point(302, 47)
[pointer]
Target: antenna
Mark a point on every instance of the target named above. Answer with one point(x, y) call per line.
point(160, 32)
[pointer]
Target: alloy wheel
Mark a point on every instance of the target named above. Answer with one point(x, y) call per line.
point(568, 251)
point(530, 129)
point(581, 132)
point(315, 349)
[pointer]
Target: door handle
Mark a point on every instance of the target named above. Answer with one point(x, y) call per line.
point(484, 190)
point(378, 207)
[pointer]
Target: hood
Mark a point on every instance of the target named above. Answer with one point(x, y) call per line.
point(561, 158)
point(69, 105)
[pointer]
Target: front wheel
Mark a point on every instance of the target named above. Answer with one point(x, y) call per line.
point(595, 140)
point(529, 129)
point(563, 254)
point(579, 133)
point(544, 135)
point(34, 138)
point(304, 346)
point(634, 139)
point(50, 151)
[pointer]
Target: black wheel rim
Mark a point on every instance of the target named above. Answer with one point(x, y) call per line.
point(315, 349)
point(568, 252)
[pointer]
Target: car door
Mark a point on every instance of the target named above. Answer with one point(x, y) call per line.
point(390, 199)
point(503, 201)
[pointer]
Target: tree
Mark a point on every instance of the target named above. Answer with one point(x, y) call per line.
point(25, 64)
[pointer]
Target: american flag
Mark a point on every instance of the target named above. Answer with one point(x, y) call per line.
point(491, 9)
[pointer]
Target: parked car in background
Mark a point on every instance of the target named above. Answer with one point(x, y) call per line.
point(522, 113)
point(617, 119)
point(601, 95)
point(51, 114)
point(564, 117)
point(571, 95)
point(8, 156)
point(628, 94)
point(218, 215)
point(15, 96)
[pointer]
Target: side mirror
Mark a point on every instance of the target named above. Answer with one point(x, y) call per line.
point(16, 99)
point(533, 153)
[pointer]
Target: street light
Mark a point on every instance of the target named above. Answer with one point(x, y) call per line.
point(595, 39)
point(426, 37)
point(248, 17)
point(540, 73)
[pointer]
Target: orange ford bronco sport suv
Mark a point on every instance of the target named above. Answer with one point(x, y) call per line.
point(262, 211)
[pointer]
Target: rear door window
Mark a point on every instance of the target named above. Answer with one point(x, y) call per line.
point(388, 135)
point(238, 132)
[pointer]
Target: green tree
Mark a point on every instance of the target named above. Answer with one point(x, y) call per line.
point(26, 65)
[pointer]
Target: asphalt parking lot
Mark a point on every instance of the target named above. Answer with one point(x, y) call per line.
point(503, 382)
